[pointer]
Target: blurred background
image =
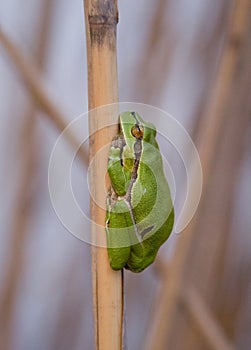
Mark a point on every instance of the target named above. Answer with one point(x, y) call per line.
point(190, 58)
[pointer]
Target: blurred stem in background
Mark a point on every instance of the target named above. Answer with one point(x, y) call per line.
point(24, 196)
point(212, 127)
point(32, 78)
point(156, 56)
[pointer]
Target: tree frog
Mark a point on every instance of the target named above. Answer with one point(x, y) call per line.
point(140, 214)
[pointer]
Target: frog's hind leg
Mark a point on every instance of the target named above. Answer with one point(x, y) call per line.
point(118, 229)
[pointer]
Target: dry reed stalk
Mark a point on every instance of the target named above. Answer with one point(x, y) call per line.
point(34, 84)
point(169, 298)
point(101, 20)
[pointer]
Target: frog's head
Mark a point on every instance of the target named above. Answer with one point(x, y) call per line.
point(134, 128)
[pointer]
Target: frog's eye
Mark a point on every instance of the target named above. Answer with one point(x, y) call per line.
point(137, 131)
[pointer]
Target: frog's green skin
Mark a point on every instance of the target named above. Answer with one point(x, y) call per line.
point(140, 212)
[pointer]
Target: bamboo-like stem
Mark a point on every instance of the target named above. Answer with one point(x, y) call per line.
point(101, 20)
point(34, 84)
point(169, 297)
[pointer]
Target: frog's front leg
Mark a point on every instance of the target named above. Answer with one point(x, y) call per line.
point(119, 175)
